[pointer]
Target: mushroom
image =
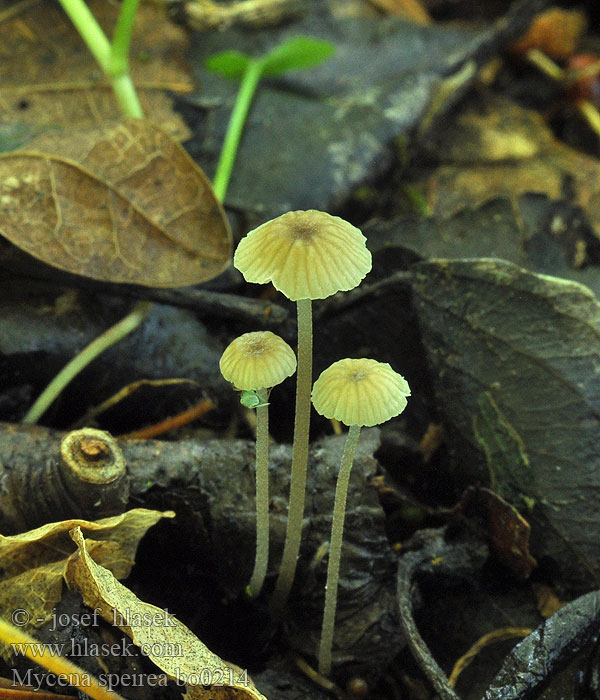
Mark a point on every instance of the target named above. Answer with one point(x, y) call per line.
point(254, 363)
point(306, 255)
point(355, 392)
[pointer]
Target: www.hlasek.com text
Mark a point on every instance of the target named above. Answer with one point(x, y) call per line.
point(87, 647)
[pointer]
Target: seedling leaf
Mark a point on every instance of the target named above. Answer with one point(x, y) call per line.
point(296, 54)
point(228, 64)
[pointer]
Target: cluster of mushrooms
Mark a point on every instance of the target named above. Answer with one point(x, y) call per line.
point(306, 255)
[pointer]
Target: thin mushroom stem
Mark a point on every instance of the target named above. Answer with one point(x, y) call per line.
point(335, 551)
point(262, 495)
point(293, 535)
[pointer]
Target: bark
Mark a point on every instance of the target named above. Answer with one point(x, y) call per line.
point(217, 478)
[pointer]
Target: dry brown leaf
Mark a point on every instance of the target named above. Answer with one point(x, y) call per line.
point(408, 9)
point(505, 151)
point(34, 562)
point(123, 203)
point(166, 641)
point(49, 79)
point(556, 32)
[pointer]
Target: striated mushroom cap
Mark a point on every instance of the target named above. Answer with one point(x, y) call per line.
point(360, 392)
point(305, 254)
point(258, 360)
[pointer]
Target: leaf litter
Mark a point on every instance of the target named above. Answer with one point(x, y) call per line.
point(119, 203)
point(532, 342)
point(34, 562)
point(171, 645)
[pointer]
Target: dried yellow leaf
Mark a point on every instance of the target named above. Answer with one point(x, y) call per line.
point(34, 562)
point(165, 640)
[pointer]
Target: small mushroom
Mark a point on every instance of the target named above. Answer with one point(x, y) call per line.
point(254, 363)
point(306, 255)
point(355, 392)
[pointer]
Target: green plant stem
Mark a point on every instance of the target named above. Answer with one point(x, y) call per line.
point(118, 71)
point(82, 359)
point(293, 535)
point(126, 95)
point(235, 127)
point(90, 31)
point(112, 59)
point(58, 665)
point(119, 55)
point(262, 496)
point(335, 551)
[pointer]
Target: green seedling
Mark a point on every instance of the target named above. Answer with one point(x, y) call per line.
point(112, 57)
point(295, 54)
point(298, 53)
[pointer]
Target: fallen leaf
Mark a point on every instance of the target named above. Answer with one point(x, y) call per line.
point(407, 9)
point(34, 562)
point(529, 670)
point(556, 32)
point(165, 640)
point(507, 529)
point(123, 203)
point(532, 342)
point(497, 149)
point(49, 79)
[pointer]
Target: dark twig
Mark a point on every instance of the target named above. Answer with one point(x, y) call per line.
point(202, 301)
point(230, 306)
point(409, 565)
point(435, 557)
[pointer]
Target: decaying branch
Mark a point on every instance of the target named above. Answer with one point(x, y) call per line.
point(210, 485)
point(83, 476)
point(432, 555)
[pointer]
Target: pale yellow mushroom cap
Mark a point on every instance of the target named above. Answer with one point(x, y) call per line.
point(360, 392)
point(305, 254)
point(257, 360)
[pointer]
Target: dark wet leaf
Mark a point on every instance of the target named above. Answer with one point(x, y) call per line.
point(123, 203)
point(533, 662)
point(313, 136)
point(532, 343)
